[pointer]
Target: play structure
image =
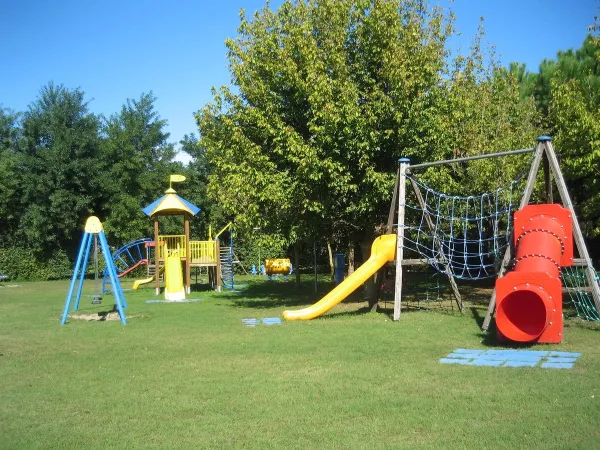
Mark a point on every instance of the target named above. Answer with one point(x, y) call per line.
point(93, 232)
point(474, 237)
point(131, 256)
point(171, 257)
point(471, 238)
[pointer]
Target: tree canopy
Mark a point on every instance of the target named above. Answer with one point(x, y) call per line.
point(60, 163)
point(327, 95)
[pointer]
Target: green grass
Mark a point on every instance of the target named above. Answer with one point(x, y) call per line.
point(192, 376)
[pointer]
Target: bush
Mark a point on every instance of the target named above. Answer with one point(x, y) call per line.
point(22, 264)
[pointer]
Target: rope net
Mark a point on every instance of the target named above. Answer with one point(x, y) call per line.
point(580, 299)
point(466, 237)
point(463, 236)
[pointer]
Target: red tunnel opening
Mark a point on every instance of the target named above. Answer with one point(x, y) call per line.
point(523, 316)
point(529, 299)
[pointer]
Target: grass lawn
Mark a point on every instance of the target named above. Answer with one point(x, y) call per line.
point(191, 375)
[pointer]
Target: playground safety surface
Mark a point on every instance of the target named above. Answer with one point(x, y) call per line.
point(512, 358)
point(265, 320)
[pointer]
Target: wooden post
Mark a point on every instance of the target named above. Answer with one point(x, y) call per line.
point(297, 262)
point(315, 261)
point(391, 214)
point(382, 274)
point(156, 256)
point(188, 256)
point(404, 165)
point(547, 180)
point(533, 171)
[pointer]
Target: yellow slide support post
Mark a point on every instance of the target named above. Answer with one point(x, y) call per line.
point(174, 289)
point(382, 251)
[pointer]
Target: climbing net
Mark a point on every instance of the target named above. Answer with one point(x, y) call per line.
point(580, 298)
point(464, 236)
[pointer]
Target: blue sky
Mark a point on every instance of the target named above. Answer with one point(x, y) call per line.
point(115, 50)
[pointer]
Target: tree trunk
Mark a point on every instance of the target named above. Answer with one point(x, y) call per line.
point(331, 266)
point(370, 287)
point(350, 258)
point(297, 247)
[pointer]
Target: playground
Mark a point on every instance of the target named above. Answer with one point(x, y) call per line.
point(172, 360)
point(192, 375)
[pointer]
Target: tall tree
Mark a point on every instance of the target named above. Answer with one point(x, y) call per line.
point(138, 159)
point(581, 64)
point(60, 184)
point(487, 111)
point(574, 114)
point(11, 205)
point(328, 95)
point(196, 186)
point(567, 94)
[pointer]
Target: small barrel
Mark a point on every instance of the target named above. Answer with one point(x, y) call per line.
point(281, 266)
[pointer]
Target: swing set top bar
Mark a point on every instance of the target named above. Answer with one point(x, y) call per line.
point(471, 158)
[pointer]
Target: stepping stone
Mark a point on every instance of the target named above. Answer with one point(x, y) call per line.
point(250, 322)
point(271, 321)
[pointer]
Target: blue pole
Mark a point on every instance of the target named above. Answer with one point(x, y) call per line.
point(84, 242)
point(339, 266)
point(114, 279)
point(110, 267)
point(83, 269)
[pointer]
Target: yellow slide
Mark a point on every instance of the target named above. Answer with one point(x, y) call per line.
point(174, 289)
point(382, 251)
point(138, 283)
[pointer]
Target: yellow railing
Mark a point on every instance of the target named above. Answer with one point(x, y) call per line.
point(203, 252)
point(175, 244)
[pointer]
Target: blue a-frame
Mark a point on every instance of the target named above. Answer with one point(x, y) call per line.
point(93, 226)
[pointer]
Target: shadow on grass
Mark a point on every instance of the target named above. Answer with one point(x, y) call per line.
point(201, 287)
point(277, 294)
point(260, 294)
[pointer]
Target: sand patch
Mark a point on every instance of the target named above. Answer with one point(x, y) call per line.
point(99, 317)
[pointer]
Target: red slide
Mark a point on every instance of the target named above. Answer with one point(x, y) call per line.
point(529, 299)
point(135, 266)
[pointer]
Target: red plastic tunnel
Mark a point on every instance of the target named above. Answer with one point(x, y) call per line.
point(529, 299)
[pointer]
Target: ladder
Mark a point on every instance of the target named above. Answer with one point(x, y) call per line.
point(226, 258)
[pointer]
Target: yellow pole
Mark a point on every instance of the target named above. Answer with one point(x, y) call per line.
point(224, 228)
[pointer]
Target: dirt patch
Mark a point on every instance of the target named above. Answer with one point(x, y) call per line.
point(97, 317)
